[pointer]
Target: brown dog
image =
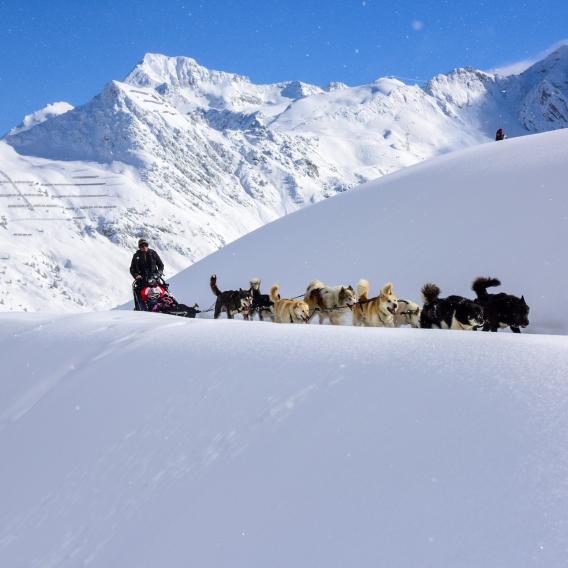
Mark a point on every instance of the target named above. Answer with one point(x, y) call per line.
point(288, 311)
point(374, 312)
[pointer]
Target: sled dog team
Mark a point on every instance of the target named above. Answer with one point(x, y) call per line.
point(488, 311)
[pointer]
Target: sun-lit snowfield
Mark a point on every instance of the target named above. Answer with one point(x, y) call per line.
point(140, 440)
point(499, 209)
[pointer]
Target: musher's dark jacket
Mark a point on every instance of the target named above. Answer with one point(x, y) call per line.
point(146, 264)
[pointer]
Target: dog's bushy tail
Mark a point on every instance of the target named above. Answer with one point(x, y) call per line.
point(213, 284)
point(362, 290)
point(430, 293)
point(275, 293)
point(315, 284)
point(312, 291)
point(481, 284)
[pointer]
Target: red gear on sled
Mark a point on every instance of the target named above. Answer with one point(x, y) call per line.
point(152, 293)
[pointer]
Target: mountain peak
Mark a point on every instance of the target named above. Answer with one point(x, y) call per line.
point(160, 58)
point(555, 61)
point(561, 52)
point(179, 71)
point(299, 89)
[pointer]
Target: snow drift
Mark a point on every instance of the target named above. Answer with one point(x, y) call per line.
point(143, 440)
point(500, 209)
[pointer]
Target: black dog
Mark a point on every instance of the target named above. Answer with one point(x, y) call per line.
point(453, 312)
point(261, 303)
point(500, 310)
point(232, 301)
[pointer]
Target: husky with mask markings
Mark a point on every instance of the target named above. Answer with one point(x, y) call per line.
point(407, 313)
point(331, 302)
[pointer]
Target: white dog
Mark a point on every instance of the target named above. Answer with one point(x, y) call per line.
point(407, 313)
point(330, 301)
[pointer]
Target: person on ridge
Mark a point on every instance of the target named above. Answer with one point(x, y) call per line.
point(146, 265)
point(500, 135)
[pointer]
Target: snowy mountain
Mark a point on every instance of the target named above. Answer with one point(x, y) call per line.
point(193, 158)
point(498, 209)
point(144, 440)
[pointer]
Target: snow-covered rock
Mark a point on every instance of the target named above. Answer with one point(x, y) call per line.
point(211, 156)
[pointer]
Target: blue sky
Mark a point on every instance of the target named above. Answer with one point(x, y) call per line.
point(68, 49)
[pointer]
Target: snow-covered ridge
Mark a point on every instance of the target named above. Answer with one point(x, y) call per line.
point(217, 88)
point(132, 439)
point(211, 156)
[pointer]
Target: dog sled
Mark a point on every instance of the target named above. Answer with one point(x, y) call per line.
point(154, 296)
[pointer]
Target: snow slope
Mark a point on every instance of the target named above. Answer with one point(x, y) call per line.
point(499, 209)
point(68, 230)
point(143, 440)
point(212, 156)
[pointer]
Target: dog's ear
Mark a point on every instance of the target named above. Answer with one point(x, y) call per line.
point(523, 300)
point(350, 287)
point(387, 289)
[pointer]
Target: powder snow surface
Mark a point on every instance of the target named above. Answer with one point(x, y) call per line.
point(499, 209)
point(140, 440)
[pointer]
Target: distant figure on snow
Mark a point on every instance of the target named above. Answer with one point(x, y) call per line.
point(500, 135)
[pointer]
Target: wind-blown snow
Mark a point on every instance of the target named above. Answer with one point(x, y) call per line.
point(211, 156)
point(500, 209)
point(517, 67)
point(39, 116)
point(143, 440)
